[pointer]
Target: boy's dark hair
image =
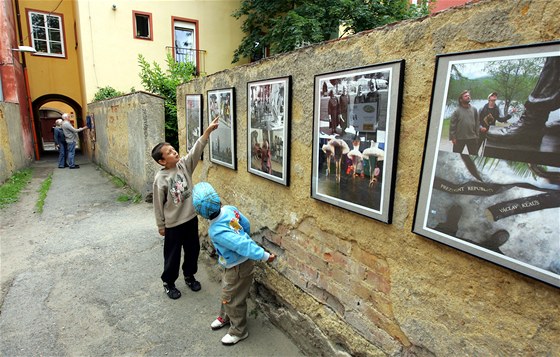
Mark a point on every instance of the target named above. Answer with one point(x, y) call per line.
point(156, 151)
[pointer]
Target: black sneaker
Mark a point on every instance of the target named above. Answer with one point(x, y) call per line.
point(171, 291)
point(192, 283)
point(74, 167)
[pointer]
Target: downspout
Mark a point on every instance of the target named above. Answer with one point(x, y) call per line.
point(26, 77)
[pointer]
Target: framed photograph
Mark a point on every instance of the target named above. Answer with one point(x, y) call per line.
point(193, 112)
point(355, 132)
point(90, 123)
point(221, 103)
point(490, 181)
point(268, 126)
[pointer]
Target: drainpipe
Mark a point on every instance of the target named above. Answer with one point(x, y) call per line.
point(26, 77)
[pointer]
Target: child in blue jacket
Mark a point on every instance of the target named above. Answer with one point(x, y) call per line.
point(229, 231)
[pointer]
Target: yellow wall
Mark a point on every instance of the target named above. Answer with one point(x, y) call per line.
point(53, 75)
point(61, 107)
point(110, 52)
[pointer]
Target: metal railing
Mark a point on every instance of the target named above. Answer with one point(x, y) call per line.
point(197, 57)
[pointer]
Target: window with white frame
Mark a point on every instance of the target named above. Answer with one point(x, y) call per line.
point(185, 41)
point(46, 33)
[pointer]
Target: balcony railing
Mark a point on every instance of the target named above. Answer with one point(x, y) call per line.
point(197, 57)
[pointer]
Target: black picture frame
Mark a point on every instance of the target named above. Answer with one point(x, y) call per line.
point(221, 103)
point(355, 138)
point(268, 128)
point(500, 201)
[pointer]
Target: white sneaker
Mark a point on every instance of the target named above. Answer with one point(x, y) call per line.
point(229, 340)
point(218, 323)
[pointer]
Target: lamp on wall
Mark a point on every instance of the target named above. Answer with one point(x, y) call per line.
point(23, 49)
point(27, 49)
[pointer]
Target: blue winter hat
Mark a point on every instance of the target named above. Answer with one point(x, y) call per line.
point(206, 201)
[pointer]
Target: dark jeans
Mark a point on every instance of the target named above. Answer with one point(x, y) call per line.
point(62, 154)
point(71, 153)
point(183, 236)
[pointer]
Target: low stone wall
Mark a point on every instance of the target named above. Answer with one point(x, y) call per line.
point(126, 130)
point(348, 285)
point(12, 152)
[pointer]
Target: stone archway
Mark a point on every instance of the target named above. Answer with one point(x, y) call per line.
point(39, 102)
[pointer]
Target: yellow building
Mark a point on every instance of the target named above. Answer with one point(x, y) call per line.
point(85, 45)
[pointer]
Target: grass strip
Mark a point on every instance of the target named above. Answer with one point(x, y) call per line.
point(43, 190)
point(11, 189)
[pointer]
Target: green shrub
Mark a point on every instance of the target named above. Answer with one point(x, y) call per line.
point(106, 93)
point(164, 83)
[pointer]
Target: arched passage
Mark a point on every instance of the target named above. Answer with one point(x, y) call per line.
point(43, 124)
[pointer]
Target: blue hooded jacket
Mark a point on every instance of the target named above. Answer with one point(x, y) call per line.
point(229, 232)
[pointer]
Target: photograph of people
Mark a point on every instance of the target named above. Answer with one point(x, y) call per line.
point(491, 182)
point(267, 131)
point(222, 143)
point(353, 114)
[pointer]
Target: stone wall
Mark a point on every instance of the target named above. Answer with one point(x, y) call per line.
point(348, 285)
point(126, 130)
point(12, 151)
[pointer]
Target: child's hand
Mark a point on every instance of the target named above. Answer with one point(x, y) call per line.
point(215, 122)
point(271, 258)
point(213, 126)
point(161, 232)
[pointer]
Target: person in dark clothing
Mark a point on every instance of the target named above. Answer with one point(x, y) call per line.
point(343, 103)
point(463, 129)
point(60, 144)
point(333, 111)
point(489, 115)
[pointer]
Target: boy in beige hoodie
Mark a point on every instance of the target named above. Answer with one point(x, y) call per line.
point(175, 215)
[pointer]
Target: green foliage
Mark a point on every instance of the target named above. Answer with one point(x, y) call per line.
point(129, 194)
point(43, 190)
point(123, 198)
point(164, 83)
point(136, 198)
point(361, 15)
point(512, 79)
point(106, 93)
point(117, 181)
point(11, 189)
point(284, 25)
point(521, 169)
point(254, 313)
